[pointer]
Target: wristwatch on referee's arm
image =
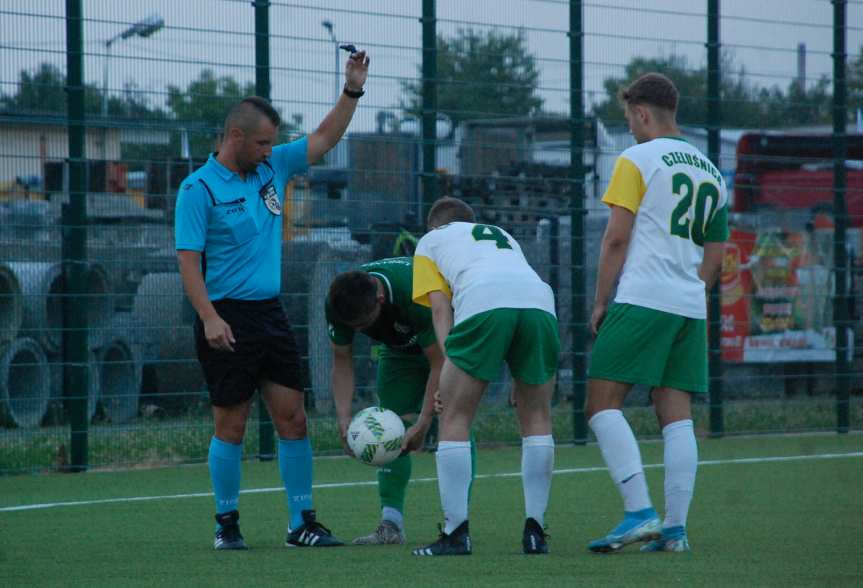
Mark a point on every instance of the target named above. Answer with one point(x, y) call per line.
point(355, 94)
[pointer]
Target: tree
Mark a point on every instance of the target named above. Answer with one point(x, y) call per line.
point(203, 105)
point(132, 104)
point(480, 75)
point(207, 99)
point(43, 91)
point(743, 104)
point(806, 105)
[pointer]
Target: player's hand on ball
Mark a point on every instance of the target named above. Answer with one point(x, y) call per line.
point(343, 437)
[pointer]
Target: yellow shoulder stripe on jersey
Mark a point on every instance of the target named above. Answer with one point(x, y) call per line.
point(427, 278)
point(626, 187)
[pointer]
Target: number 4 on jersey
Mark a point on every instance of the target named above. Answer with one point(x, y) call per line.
point(491, 233)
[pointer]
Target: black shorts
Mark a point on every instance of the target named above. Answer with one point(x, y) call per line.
point(264, 350)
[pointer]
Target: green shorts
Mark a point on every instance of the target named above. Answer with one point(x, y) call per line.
point(645, 346)
point(401, 381)
point(526, 338)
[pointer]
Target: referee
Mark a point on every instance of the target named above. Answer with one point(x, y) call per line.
point(228, 232)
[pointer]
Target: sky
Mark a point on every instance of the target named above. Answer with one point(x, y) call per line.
point(762, 36)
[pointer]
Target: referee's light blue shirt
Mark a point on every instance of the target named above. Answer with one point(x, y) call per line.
point(225, 218)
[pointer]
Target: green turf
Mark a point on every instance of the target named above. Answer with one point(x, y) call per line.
point(752, 524)
point(184, 439)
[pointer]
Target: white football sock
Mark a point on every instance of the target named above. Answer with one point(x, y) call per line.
point(681, 462)
point(453, 478)
point(623, 458)
point(537, 462)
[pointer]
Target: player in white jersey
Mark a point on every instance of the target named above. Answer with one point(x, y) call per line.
point(488, 306)
point(664, 241)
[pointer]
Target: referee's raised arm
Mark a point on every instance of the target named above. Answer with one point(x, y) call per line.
point(336, 122)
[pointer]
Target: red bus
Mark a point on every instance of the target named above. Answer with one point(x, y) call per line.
point(795, 172)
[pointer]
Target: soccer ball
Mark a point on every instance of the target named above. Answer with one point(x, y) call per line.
point(375, 435)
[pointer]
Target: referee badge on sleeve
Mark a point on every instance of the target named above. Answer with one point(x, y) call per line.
point(271, 199)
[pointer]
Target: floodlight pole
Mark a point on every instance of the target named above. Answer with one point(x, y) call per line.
point(143, 28)
point(338, 88)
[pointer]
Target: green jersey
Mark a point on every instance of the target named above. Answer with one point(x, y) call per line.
point(403, 326)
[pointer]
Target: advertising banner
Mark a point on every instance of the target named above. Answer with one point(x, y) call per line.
point(776, 289)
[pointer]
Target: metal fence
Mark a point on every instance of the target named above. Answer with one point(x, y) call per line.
point(106, 106)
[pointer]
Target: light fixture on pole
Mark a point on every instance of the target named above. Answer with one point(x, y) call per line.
point(142, 28)
point(329, 26)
